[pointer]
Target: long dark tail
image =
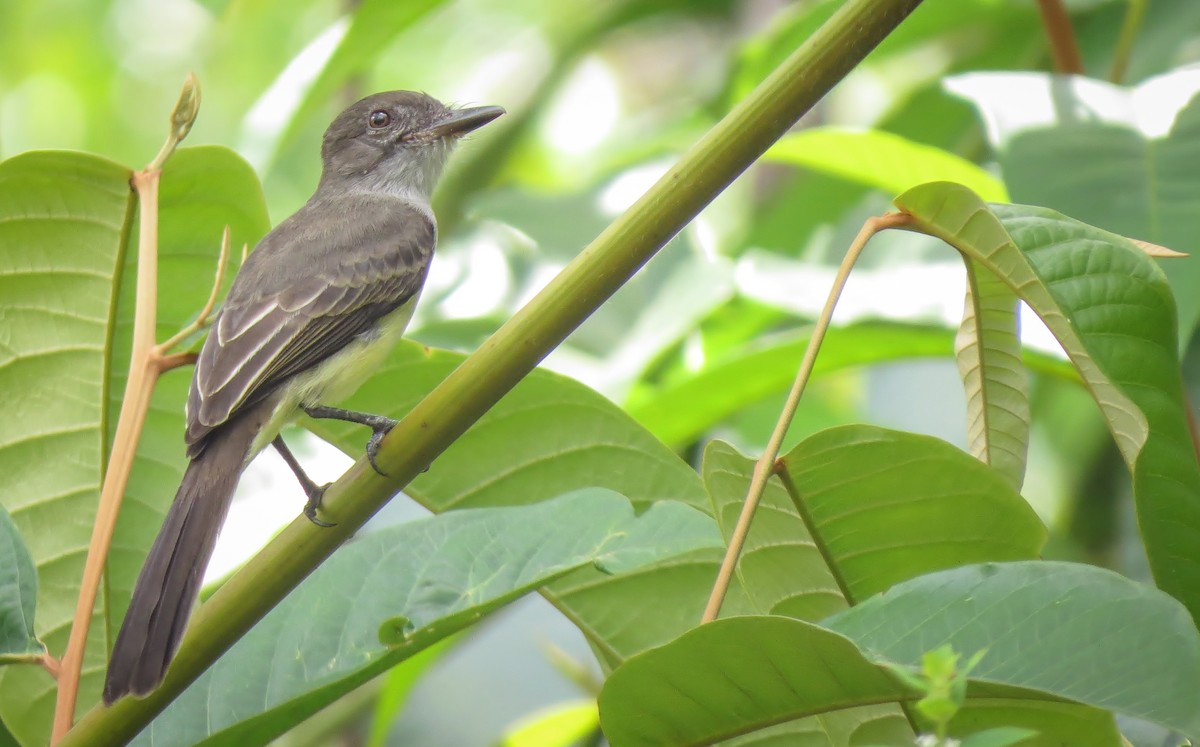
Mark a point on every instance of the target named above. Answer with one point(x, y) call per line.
point(169, 582)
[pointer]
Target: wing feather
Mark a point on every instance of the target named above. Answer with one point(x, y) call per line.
point(285, 316)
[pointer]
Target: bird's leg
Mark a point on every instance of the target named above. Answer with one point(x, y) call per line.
point(379, 425)
point(314, 491)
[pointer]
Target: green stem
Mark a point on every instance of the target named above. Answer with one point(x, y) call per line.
point(509, 355)
point(1129, 28)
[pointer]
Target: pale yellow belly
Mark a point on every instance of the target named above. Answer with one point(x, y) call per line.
point(338, 376)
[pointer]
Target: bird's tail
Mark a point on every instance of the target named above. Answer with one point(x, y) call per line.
point(169, 582)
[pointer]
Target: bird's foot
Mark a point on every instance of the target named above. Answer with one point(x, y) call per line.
point(380, 426)
point(314, 502)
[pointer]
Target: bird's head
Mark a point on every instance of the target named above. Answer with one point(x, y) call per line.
point(397, 141)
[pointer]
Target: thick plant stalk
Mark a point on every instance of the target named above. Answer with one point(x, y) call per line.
point(765, 467)
point(146, 363)
point(1061, 36)
point(510, 354)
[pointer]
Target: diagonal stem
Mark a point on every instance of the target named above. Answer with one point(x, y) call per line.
point(510, 354)
point(765, 467)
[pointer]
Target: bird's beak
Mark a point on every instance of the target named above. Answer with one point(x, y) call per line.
point(462, 121)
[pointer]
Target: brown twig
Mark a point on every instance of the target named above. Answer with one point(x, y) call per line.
point(143, 373)
point(1061, 36)
point(165, 363)
point(50, 664)
point(767, 463)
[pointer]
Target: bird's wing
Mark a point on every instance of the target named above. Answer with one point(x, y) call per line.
point(277, 323)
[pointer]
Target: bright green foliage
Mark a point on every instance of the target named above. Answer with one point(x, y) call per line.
point(560, 726)
point(63, 227)
point(883, 160)
point(1068, 631)
point(548, 436)
point(1111, 308)
point(67, 272)
point(397, 591)
point(686, 364)
point(861, 508)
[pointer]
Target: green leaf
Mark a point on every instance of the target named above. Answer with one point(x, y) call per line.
point(681, 410)
point(548, 436)
point(65, 255)
point(1048, 130)
point(427, 579)
point(921, 505)
point(738, 675)
point(18, 596)
point(64, 221)
point(988, 352)
point(561, 725)
point(1067, 630)
point(1064, 630)
point(882, 160)
point(879, 507)
point(1111, 309)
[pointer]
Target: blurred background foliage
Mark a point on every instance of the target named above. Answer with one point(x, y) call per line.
point(601, 96)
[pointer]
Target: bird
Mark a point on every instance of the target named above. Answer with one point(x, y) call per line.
point(312, 312)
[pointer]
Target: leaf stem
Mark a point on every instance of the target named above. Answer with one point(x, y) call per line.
point(765, 466)
point(162, 350)
point(144, 368)
point(50, 664)
point(1061, 37)
point(1129, 28)
point(510, 354)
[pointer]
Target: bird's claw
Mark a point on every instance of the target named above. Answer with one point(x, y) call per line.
point(314, 502)
point(380, 429)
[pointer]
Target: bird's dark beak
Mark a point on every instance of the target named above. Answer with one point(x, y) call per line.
point(462, 121)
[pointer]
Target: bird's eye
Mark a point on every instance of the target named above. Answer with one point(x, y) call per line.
point(379, 119)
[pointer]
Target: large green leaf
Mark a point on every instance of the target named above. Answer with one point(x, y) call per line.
point(1070, 630)
point(860, 508)
point(1059, 629)
point(735, 676)
point(1048, 131)
point(888, 505)
point(1111, 309)
point(882, 160)
point(63, 228)
point(857, 509)
point(394, 592)
point(77, 214)
point(18, 596)
point(548, 436)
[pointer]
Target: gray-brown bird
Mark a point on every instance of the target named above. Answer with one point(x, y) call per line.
point(312, 312)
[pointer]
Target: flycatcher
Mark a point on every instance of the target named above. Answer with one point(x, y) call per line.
point(312, 312)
